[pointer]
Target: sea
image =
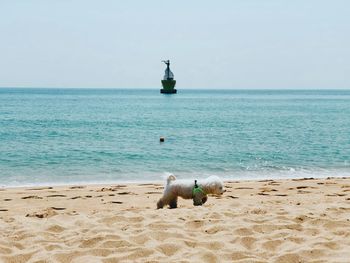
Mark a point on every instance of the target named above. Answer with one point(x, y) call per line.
point(80, 136)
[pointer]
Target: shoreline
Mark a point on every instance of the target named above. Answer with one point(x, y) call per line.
point(294, 220)
point(225, 180)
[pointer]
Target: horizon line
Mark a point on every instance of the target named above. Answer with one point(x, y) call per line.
point(149, 88)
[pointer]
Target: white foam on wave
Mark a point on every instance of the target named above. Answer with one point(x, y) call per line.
point(160, 177)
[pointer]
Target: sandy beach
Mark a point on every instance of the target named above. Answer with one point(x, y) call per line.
point(298, 220)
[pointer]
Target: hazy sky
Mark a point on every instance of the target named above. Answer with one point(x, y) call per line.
point(211, 44)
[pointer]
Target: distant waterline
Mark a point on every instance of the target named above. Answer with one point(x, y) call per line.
point(64, 136)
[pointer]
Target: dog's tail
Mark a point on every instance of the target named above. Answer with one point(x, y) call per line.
point(170, 178)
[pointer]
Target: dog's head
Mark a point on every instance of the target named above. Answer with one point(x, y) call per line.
point(214, 186)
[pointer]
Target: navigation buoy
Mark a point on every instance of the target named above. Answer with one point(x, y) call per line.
point(161, 139)
point(168, 82)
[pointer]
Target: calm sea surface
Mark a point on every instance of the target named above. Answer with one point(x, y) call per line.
point(62, 136)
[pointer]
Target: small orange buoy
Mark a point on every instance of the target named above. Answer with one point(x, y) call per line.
point(161, 139)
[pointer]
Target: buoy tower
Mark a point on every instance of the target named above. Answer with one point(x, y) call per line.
point(168, 82)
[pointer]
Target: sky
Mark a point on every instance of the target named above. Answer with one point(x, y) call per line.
point(223, 44)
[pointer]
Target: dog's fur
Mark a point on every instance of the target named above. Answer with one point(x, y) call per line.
point(184, 188)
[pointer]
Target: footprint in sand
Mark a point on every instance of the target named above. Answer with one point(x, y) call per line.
point(304, 187)
point(58, 208)
point(301, 218)
point(7, 199)
point(215, 229)
point(56, 196)
point(113, 188)
point(77, 187)
point(104, 189)
point(258, 211)
point(75, 197)
point(303, 179)
point(194, 224)
point(72, 213)
point(274, 184)
point(126, 193)
point(3, 210)
point(267, 189)
point(341, 194)
point(39, 188)
point(265, 181)
point(330, 183)
point(32, 197)
point(336, 195)
point(49, 212)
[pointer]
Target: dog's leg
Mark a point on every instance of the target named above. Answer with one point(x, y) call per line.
point(173, 203)
point(160, 204)
point(204, 199)
point(197, 200)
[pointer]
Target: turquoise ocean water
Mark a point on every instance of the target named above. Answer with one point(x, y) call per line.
point(64, 136)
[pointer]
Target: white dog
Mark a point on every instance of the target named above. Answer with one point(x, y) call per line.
point(189, 190)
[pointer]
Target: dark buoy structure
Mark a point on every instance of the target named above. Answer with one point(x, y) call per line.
point(168, 81)
point(161, 139)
